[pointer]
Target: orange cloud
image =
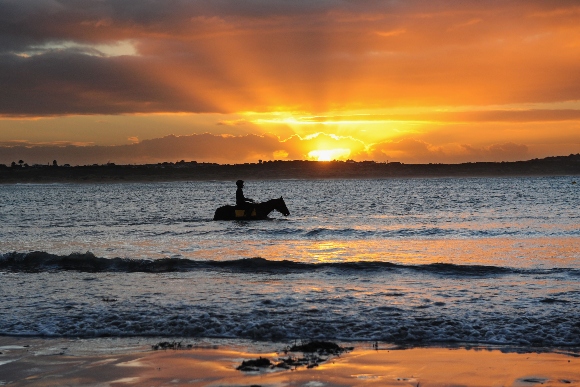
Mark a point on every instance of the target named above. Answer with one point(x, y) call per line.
point(196, 57)
point(386, 34)
point(417, 151)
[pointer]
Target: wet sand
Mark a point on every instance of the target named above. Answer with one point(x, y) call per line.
point(132, 362)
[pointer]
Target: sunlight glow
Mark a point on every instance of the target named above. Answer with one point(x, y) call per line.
point(329, 154)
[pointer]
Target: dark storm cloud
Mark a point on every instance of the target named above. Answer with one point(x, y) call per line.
point(69, 82)
point(47, 20)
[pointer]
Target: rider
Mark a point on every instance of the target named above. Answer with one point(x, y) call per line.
point(243, 202)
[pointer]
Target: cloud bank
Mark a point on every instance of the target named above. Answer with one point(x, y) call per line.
point(251, 148)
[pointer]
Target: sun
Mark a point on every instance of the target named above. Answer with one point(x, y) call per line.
point(329, 154)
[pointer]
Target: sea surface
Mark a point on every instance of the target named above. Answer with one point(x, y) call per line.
point(468, 261)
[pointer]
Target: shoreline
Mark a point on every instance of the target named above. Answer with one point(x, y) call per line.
point(29, 361)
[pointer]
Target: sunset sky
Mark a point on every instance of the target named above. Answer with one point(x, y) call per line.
point(230, 81)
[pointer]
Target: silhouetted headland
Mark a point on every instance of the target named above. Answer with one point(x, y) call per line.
point(276, 170)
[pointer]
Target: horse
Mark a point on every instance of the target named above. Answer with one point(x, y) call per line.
point(259, 211)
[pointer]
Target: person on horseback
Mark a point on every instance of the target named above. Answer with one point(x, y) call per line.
point(242, 202)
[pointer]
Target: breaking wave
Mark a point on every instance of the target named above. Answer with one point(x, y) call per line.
point(39, 261)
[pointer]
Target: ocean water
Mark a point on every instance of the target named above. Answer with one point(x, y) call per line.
point(403, 261)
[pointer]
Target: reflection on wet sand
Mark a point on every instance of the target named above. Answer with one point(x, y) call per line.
point(208, 365)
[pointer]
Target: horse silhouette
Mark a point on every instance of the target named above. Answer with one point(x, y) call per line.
point(260, 211)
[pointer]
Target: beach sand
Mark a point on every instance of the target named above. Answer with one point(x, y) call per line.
point(132, 362)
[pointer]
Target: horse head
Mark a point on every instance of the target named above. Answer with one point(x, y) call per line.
point(281, 207)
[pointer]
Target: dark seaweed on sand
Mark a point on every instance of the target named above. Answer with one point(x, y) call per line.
point(254, 365)
point(320, 347)
point(315, 352)
point(175, 345)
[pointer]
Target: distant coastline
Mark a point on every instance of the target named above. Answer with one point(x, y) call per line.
point(279, 170)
